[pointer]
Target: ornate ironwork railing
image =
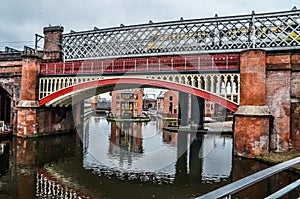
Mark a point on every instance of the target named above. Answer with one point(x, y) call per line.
point(270, 31)
point(200, 62)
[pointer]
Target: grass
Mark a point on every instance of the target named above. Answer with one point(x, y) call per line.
point(278, 157)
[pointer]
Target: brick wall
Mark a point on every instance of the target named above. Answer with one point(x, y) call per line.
point(252, 78)
point(136, 102)
point(295, 102)
point(278, 99)
point(52, 43)
point(170, 98)
point(252, 119)
point(10, 81)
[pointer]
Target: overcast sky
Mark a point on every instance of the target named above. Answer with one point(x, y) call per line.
point(21, 19)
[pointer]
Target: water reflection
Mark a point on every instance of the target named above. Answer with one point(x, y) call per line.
point(217, 157)
point(144, 151)
point(4, 157)
point(125, 142)
point(184, 165)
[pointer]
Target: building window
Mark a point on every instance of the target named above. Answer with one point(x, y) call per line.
point(136, 104)
point(175, 111)
point(118, 96)
point(135, 114)
point(136, 96)
point(171, 98)
point(126, 97)
point(171, 107)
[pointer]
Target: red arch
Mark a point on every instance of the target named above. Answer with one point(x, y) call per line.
point(149, 82)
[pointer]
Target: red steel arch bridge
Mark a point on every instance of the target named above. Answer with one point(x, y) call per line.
point(199, 56)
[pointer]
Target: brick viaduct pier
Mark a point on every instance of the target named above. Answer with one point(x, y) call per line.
point(266, 119)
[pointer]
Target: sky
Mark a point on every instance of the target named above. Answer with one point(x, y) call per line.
point(21, 20)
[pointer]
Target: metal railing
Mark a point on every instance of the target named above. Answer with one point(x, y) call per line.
point(199, 62)
point(228, 190)
point(269, 31)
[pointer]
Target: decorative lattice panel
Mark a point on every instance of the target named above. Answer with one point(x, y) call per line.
point(271, 31)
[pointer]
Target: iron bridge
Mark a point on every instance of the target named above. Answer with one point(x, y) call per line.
point(199, 55)
point(212, 77)
point(269, 31)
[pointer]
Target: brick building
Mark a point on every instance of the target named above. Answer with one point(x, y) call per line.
point(149, 103)
point(127, 103)
point(167, 103)
point(127, 136)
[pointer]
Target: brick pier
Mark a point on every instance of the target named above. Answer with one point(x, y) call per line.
point(268, 116)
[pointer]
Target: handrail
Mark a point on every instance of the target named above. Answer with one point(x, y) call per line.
point(284, 190)
point(200, 62)
point(243, 183)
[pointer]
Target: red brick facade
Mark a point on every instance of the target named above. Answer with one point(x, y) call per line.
point(27, 112)
point(52, 41)
point(272, 80)
point(22, 68)
point(127, 103)
point(10, 81)
point(279, 99)
point(252, 119)
point(251, 135)
point(170, 103)
point(253, 78)
point(295, 101)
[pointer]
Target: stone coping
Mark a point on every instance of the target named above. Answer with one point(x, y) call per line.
point(262, 111)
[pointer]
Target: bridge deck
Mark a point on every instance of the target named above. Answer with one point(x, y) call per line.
point(197, 62)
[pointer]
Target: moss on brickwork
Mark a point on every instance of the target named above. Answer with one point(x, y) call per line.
point(297, 111)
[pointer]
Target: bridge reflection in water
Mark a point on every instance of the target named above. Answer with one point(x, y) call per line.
point(141, 151)
point(138, 160)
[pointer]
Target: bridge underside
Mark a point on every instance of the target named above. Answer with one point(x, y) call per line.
point(74, 94)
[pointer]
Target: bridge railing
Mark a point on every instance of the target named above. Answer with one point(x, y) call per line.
point(228, 190)
point(216, 62)
point(48, 186)
point(269, 31)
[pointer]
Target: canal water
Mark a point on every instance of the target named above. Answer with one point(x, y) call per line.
point(127, 160)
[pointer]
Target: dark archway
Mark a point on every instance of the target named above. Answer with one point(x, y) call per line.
point(5, 106)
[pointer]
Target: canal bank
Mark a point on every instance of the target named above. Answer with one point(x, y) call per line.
point(271, 158)
point(274, 158)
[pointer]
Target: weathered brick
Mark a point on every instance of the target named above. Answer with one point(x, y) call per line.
point(295, 84)
point(52, 43)
point(278, 61)
point(251, 135)
point(295, 61)
point(278, 86)
point(27, 122)
point(252, 78)
point(29, 82)
point(295, 125)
